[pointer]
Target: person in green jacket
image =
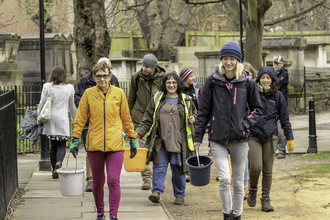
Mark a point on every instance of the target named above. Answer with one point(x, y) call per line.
point(144, 85)
point(167, 126)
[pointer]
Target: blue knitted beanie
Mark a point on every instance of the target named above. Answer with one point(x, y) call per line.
point(231, 49)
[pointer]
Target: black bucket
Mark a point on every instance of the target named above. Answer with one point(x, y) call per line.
point(199, 176)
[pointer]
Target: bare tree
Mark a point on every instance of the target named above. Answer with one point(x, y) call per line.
point(91, 35)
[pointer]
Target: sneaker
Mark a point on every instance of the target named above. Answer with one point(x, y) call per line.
point(100, 217)
point(281, 156)
point(89, 186)
point(146, 185)
point(113, 218)
point(187, 178)
point(178, 201)
point(155, 197)
point(58, 165)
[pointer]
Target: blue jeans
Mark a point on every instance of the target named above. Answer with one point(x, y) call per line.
point(159, 175)
point(238, 155)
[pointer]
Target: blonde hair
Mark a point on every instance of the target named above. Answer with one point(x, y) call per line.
point(238, 70)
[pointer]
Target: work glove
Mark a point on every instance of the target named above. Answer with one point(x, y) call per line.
point(290, 145)
point(74, 146)
point(132, 143)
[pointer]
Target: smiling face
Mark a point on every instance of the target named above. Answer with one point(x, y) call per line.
point(265, 80)
point(102, 78)
point(171, 86)
point(229, 63)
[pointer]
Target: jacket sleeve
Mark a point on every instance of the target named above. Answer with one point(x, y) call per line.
point(126, 117)
point(114, 81)
point(80, 89)
point(81, 116)
point(72, 107)
point(284, 117)
point(255, 106)
point(132, 93)
point(146, 122)
point(43, 97)
point(204, 110)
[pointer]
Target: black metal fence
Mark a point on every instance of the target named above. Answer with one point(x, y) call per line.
point(26, 97)
point(8, 151)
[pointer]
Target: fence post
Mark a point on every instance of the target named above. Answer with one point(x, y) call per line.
point(312, 127)
point(305, 92)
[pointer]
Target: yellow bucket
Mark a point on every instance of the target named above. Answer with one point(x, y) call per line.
point(136, 164)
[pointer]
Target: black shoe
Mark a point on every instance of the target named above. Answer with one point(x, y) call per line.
point(89, 186)
point(100, 217)
point(114, 218)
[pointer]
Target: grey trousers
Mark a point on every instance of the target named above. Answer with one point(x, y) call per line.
point(89, 176)
point(147, 173)
point(281, 139)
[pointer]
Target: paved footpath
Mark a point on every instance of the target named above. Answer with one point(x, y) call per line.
point(43, 199)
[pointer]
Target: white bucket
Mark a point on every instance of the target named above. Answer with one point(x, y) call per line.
point(72, 180)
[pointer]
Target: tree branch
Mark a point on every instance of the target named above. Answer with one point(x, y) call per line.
point(276, 21)
point(203, 3)
point(132, 7)
point(266, 4)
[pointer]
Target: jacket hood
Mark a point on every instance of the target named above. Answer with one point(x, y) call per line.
point(269, 70)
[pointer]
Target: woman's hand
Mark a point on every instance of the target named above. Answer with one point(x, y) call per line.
point(196, 145)
point(191, 119)
point(138, 136)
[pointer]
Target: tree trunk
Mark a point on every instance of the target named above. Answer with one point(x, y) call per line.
point(253, 44)
point(91, 35)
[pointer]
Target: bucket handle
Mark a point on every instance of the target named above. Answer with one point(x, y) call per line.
point(197, 154)
point(67, 162)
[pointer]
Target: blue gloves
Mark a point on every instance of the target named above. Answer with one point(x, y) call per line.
point(132, 143)
point(74, 147)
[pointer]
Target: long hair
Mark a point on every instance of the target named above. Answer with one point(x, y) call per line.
point(166, 77)
point(58, 76)
point(252, 72)
point(274, 87)
point(238, 70)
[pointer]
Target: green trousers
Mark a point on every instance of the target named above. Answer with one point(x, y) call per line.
point(261, 158)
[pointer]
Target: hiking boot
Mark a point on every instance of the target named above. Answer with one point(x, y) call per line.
point(178, 201)
point(281, 156)
point(100, 217)
point(58, 165)
point(251, 200)
point(155, 197)
point(237, 217)
point(113, 218)
point(146, 185)
point(89, 186)
point(228, 216)
point(265, 204)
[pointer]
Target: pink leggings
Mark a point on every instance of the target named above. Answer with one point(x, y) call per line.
point(114, 162)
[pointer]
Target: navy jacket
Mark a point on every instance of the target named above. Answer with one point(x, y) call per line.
point(224, 105)
point(267, 124)
point(283, 80)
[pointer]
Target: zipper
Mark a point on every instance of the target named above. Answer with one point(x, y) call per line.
point(235, 96)
point(104, 121)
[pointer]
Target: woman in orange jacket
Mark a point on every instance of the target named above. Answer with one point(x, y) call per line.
point(107, 109)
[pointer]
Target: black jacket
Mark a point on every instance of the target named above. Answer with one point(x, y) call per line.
point(283, 80)
point(267, 124)
point(85, 82)
point(224, 105)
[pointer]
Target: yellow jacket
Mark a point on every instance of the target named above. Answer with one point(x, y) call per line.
point(107, 117)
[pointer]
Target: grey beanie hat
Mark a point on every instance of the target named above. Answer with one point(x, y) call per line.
point(150, 60)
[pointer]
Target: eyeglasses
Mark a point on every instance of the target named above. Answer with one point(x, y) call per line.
point(173, 83)
point(98, 77)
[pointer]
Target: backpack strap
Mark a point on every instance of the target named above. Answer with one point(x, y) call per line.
point(277, 100)
point(137, 81)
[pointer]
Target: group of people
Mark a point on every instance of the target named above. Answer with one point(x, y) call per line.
point(238, 108)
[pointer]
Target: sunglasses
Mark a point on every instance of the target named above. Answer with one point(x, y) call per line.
point(98, 77)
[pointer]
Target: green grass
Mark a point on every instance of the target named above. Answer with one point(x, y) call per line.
point(321, 155)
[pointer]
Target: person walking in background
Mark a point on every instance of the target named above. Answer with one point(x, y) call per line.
point(191, 87)
point(223, 103)
point(263, 136)
point(144, 85)
point(283, 81)
point(57, 128)
point(250, 71)
point(169, 137)
point(107, 109)
point(85, 82)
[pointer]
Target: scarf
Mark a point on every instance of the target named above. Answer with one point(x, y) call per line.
point(262, 89)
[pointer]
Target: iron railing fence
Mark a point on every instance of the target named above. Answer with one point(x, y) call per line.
point(8, 151)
